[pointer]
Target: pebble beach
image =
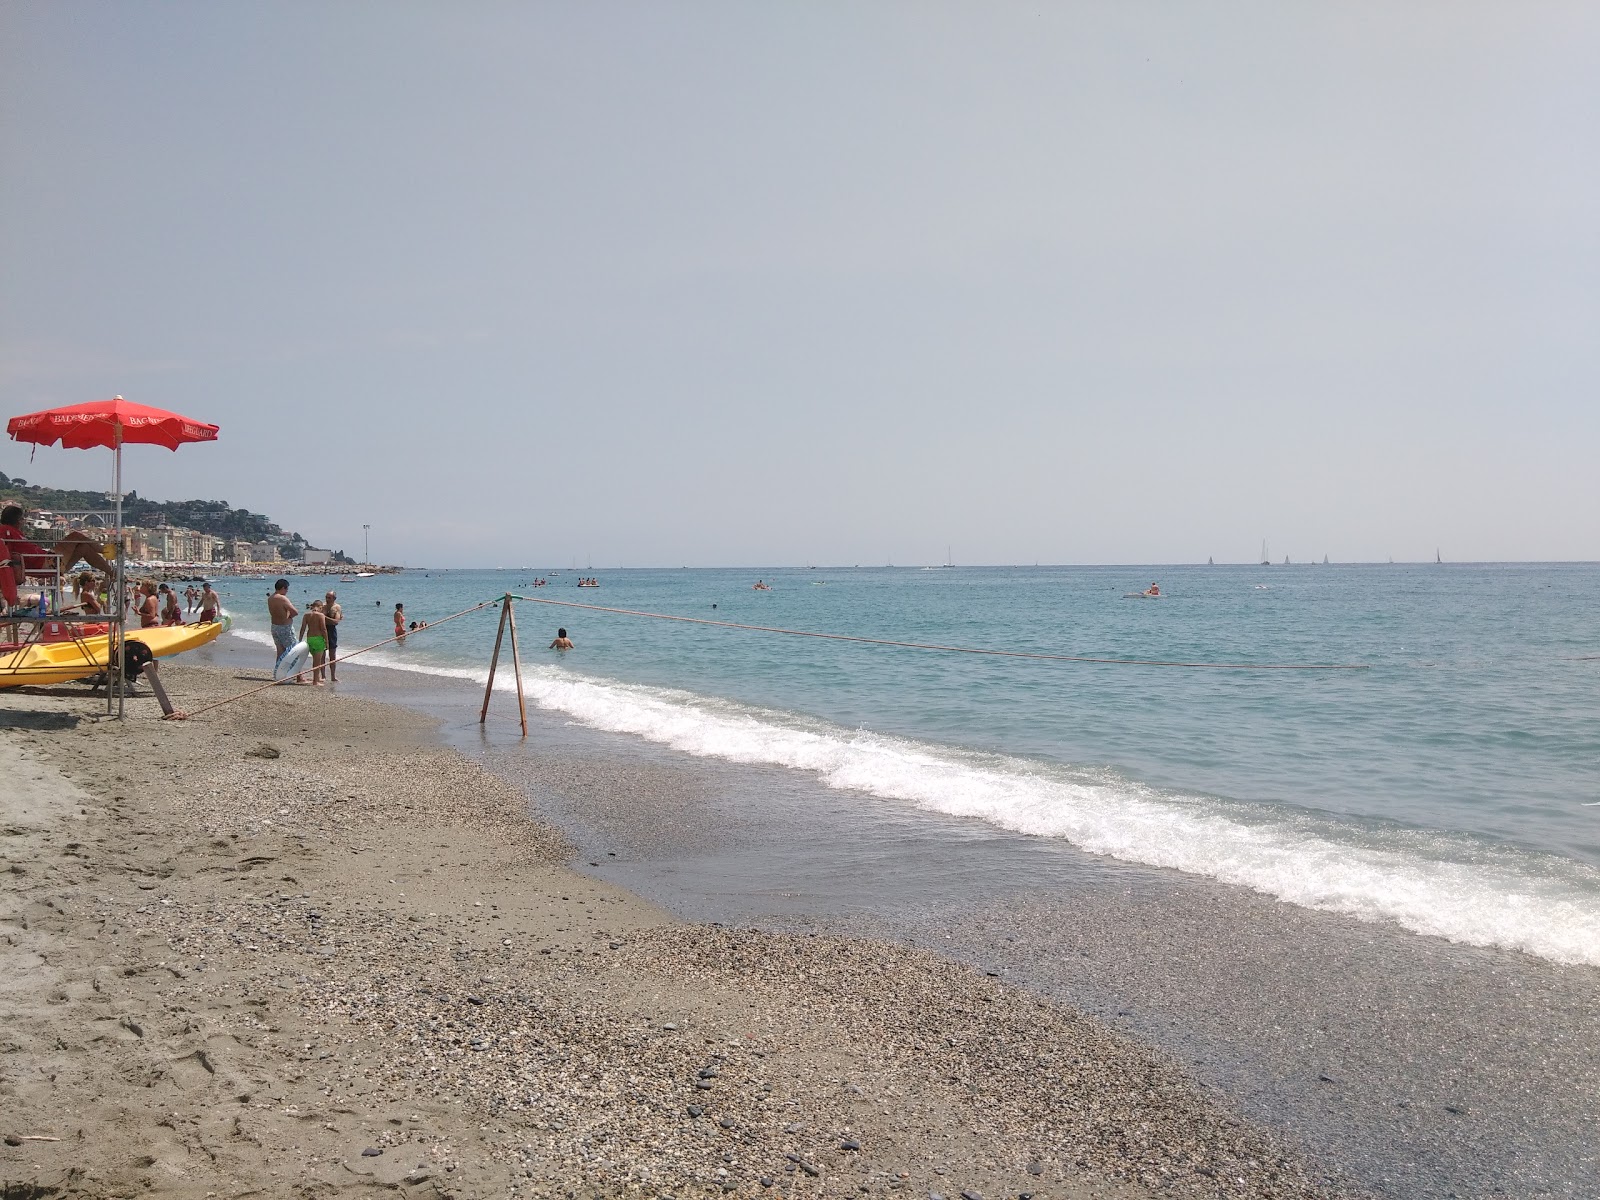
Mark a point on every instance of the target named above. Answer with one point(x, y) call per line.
point(295, 946)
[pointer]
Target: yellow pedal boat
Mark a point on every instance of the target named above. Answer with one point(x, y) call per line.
point(42, 663)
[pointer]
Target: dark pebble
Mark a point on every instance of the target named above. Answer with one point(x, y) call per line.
point(371, 1152)
point(1451, 1108)
point(849, 1144)
point(703, 1084)
point(474, 999)
point(708, 1073)
point(803, 1165)
point(616, 945)
point(1326, 1078)
point(766, 1181)
point(726, 1122)
point(1036, 1167)
point(970, 1196)
point(13, 1141)
point(696, 1111)
point(992, 974)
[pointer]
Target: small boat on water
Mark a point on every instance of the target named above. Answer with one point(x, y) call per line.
point(63, 660)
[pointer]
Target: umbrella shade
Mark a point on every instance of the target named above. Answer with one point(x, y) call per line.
point(110, 423)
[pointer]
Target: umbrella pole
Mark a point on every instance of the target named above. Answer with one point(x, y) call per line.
point(114, 647)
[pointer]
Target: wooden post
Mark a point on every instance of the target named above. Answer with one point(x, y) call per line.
point(154, 681)
point(516, 664)
point(494, 659)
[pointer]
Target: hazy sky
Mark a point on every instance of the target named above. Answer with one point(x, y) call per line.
point(759, 283)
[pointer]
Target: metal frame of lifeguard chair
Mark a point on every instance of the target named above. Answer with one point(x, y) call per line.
point(114, 617)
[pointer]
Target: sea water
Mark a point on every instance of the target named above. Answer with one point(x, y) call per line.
point(1450, 786)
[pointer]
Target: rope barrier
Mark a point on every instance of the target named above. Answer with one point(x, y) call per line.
point(844, 637)
point(184, 716)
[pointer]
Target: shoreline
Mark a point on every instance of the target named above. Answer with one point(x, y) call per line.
point(1418, 1066)
point(243, 972)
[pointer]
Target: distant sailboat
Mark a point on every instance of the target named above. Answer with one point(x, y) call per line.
point(1210, 562)
point(1286, 560)
point(1438, 560)
point(1324, 560)
point(1265, 561)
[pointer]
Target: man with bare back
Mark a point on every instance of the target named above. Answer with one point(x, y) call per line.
point(281, 612)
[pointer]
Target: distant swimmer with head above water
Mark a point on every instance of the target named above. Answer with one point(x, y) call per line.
point(562, 642)
point(760, 586)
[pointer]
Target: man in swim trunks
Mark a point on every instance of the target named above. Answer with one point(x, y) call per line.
point(281, 612)
point(210, 603)
point(333, 613)
point(169, 606)
point(314, 629)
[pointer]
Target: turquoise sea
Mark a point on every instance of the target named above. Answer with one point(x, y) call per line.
point(1451, 787)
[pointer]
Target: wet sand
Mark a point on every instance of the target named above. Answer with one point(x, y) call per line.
point(1418, 1067)
point(298, 947)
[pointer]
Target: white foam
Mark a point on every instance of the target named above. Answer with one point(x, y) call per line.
point(1427, 882)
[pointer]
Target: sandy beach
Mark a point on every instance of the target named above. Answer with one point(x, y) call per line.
point(296, 947)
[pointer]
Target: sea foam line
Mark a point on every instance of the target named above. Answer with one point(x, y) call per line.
point(1540, 904)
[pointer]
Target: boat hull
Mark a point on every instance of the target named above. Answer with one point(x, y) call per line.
point(44, 663)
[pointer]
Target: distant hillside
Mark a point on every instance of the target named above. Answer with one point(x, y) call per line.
point(215, 517)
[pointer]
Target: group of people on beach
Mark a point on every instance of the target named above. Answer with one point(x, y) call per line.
point(22, 560)
point(157, 604)
point(319, 629)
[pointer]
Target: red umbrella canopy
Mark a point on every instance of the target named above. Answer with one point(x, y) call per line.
point(110, 423)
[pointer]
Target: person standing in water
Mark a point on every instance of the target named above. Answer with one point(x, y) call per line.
point(399, 620)
point(281, 612)
point(562, 642)
point(332, 613)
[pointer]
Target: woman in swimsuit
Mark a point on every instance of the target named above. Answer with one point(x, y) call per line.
point(88, 601)
point(149, 610)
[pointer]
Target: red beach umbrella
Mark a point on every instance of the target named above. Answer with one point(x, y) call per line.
point(112, 424)
point(109, 423)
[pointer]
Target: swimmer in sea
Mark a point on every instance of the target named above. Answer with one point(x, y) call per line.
point(562, 642)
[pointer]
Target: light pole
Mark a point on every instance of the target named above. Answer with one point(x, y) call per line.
point(366, 546)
